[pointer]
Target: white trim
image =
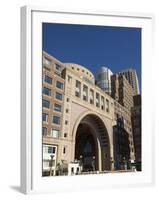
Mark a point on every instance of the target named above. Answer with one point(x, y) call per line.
point(26, 102)
point(91, 12)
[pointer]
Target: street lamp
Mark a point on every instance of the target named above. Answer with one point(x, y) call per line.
point(51, 164)
point(125, 163)
point(81, 159)
point(112, 162)
point(132, 165)
point(81, 163)
point(94, 163)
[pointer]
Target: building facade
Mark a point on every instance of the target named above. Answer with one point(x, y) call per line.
point(124, 153)
point(131, 76)
point(52, 111)
point(84, 128)
point(77, 120)
point(103, 79)
point(122, 91)
point(136, 125)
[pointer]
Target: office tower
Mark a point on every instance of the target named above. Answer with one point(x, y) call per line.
point(104, 79)
point(131, 76)
point(122, 91)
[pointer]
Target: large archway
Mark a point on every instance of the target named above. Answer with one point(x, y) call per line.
point(92, 145)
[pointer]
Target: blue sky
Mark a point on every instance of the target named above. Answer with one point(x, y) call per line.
point(94, 46)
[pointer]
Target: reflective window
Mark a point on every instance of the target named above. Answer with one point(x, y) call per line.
point(59, 85)
point(47, 91)
point(45, 103)
point(57, 107)
point(78, 89)
point(45, 117)
point(46, 61)
point(85, 93)
point(91, 96)
point(97, 99)
point(58, 67)
point(56, 120)
point(44, 131)
point(49, 149)
point(58, 96)
point(55, 133)
point(48, 79)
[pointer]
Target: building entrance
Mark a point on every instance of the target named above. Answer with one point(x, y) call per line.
point(92, 146)
point(86, 148)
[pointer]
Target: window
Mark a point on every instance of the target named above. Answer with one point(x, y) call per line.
point(45, 149)
point(65, 135)
point(97, 99)
point(47, 79)
point(64, 150)
point(47, 91)
point(78, 89)
point(91, 96)
point(51, 149)
point(46, 164)
point(45, 103)
point(58, 96)
point(67, 99)
point(57, 107)
point(46, 61)
point(58, 67)
point(56, 120)
point(44, 131)
point(45, 117)
point(67, 110)
point(107, 105)
point(66, 122)
point(102, 103)
point(77, 170)
point(55, 133)
point(85, 93)
point(59, 85)
point(69, 78)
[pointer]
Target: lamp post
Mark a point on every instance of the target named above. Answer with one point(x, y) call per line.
point(112, 163)
point(94, 163)
point(125, 164)
point(132, 165)
point(51, 164)
point(81, 163)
